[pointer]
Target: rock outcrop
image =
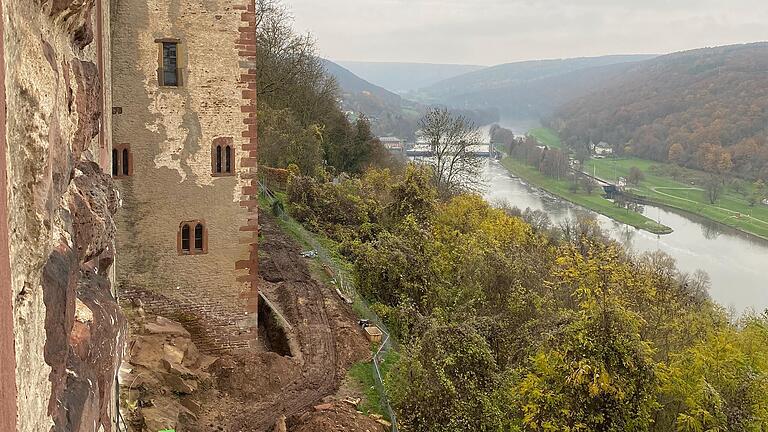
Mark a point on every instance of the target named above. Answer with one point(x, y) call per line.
point(68, 329)
point(162, 375)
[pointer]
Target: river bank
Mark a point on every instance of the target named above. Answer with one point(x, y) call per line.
point(680, 191)
point(684, 193)
point(594, 201)
point(733, 260)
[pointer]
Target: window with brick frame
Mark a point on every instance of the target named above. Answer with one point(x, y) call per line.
point(222, 157)
point(192, 238)
point(122, 161)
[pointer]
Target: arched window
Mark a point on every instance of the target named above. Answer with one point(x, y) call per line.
point(185, 239)
point(199, 237)
point(115, 162)
point(126, 162)
point(122, 161)
point(193, 238)
point(222, 157)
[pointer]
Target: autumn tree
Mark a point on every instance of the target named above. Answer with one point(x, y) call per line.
point(446, 382)
point(598, 374)
point(298, 105)
point(635, 176)
point(452, 139)
point(720, 383)
point(676, 153)
point(504, 326)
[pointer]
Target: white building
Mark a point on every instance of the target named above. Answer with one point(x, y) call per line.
point(393, 144)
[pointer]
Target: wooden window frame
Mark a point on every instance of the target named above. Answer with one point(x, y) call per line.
point(223, 143)
point(192, 238)
point(180, 62)
point(118, 150)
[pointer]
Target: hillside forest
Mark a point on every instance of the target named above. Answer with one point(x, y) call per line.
point(504, 321)
point(705, 109)
point(300, 120)
point(508, 323)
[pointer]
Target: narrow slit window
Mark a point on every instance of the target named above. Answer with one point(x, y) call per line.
point(199, 238)
point(218, 159)
point(185, 239)
point(169, 69)
point(115, 163)
point(126, 162)
point(228, 159)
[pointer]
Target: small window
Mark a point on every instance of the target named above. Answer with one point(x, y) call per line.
point(199, 238)
point(122, 161)
point(169, 73)
point(218, 159)
point(115, 163)
point(126, 162)
point(193, 238)
point(185, 239)
point(222, 157)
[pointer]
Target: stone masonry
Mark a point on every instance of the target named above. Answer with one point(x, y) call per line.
point(171, 133)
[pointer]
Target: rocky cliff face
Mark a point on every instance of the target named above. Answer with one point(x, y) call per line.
point(69, 331)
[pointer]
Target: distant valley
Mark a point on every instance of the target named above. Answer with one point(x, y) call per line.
point(403, 78)
point(388, 112)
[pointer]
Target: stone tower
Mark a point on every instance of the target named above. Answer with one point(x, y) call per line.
point(184, 160)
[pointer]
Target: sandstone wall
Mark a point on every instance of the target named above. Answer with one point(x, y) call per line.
point(68, 330)
point(170, 132)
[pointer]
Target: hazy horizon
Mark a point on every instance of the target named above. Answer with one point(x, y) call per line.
point(490, 32)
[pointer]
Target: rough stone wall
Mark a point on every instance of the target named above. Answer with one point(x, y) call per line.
point(170, 132)
point(67, 326)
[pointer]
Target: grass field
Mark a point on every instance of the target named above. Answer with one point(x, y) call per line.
point(546, 136)
point(594, 201)
point(732, 208)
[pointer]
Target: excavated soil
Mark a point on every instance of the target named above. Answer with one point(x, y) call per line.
point(338, 417)
point(253, 390)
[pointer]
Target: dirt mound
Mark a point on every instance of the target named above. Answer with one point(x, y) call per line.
point(338, 417)
point(249, 391)
point(251, 377)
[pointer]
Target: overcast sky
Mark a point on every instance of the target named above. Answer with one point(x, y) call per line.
point(488, 32)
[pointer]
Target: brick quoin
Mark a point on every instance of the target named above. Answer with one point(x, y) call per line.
point(246, 47)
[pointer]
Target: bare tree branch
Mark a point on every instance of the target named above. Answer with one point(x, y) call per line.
point(456, 165)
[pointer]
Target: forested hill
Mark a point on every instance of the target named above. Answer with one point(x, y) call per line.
point(388, 113)
point(405, 77)
point(527, 89)
point(712, 102)
point(352, 84)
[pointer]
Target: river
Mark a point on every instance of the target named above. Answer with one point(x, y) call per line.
point(736, 263)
